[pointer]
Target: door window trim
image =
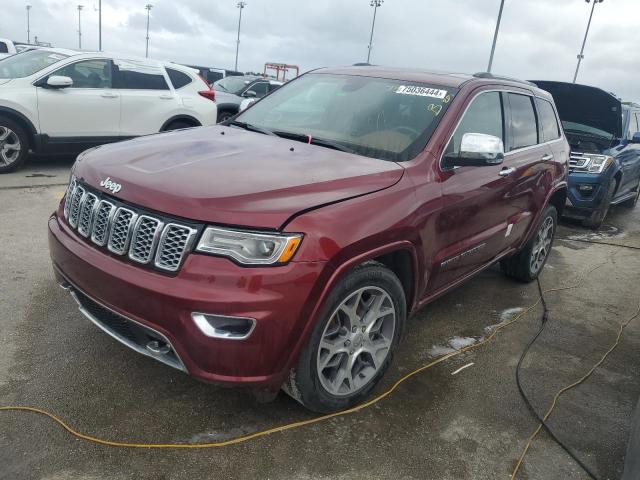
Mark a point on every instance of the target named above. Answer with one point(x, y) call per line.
point(512, 152)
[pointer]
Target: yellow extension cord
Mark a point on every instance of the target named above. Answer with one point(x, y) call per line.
point(357, 408)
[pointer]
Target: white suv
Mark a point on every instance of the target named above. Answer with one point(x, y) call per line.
point(62, 101)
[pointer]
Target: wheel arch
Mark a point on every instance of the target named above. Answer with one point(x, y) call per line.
point(21, 119)
point(181, 118)
point(393, 255)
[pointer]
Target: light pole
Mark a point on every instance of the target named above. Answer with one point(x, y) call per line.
point(28, 7)
point(99, 25)
point(581, 54)
point(240, 6)
point(495, 36)
point(80, 7)
point(148, 6)
point(375, 4)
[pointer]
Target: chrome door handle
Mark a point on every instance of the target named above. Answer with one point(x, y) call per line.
point(506, 171)
point(547, 157)
point(166, 97)
point(109, 95)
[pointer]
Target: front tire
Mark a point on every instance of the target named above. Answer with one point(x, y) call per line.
point(632, 202)
point(598, 216)
point(527, 264)
point(14, 145)
point(352, 344)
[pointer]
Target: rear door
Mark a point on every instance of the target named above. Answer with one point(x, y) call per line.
point(89, 108)
point(148, 100)
point(529, 166)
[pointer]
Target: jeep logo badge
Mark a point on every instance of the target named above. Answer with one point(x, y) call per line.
point(111, 185)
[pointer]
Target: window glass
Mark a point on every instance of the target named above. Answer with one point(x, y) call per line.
point(28, 63)
point(178, 79)
point(550, 127)
point(4, 48)
point(88, 74)
point(524, 129)
point(260, 88)
point(140, 76)
point(374, 117)
point(484, 115)
point(233, 85)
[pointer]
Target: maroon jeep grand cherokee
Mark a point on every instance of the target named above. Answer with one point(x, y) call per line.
point(287, 247)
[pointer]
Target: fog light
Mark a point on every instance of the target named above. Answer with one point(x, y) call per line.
point(220, 326)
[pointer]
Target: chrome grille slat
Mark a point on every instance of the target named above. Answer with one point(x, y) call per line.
point(121, 229)
point(127, 231)
point(76, 203)
point(69, 195)
point(144, 238)
point(102, 220)
point(85, 220)
point(175, 241)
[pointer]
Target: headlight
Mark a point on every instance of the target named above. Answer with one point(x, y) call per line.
point(250, 248)
point(589, 163)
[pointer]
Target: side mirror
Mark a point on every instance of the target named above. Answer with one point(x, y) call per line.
point(250, 94)
point(635, 138)
point(59, 81)
point(476, 150)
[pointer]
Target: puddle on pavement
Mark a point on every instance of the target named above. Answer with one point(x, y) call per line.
point(456, 343)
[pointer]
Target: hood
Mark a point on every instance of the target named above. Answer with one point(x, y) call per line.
point(586, 105)
point(4, 81)
point(231, 176)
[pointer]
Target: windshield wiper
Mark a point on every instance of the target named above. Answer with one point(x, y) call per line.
point(251, 128)
point(323, 142)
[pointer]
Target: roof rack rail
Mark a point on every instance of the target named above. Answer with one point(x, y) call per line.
point(502, 77)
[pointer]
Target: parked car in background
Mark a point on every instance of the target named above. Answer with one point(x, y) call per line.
point(231, 91)
point(64, 101)
point(287, 247)
point(212, 75)
point(604, 134)
point(7, 48)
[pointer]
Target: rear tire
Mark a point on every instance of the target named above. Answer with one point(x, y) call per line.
point(224, 116)
point(352, 344)
point(14, 145)
point(598, 216)
point(527, 264)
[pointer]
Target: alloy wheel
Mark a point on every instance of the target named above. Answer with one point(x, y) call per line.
point(356, 341)
point(542, 245)
point(9, 146)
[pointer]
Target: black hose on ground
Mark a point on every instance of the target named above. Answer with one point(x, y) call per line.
point(566, 448)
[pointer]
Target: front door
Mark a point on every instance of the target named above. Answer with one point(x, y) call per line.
point(472, 223)
point(89, 108)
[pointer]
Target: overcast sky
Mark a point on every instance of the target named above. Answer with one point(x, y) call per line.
point(539, 39)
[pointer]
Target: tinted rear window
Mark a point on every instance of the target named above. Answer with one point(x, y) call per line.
point(178, 79)
point(524, 130)
point(550, 127)
point(4, 48)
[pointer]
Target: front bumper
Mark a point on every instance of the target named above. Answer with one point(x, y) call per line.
point(586, 192)
point(280, 299)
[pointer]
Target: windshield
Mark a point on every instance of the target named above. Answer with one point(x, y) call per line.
point(579, 128)
point(232, 84)
point(374, 117)
point(27, 63)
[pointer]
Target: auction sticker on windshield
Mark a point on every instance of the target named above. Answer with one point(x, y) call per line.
point(421, 91)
